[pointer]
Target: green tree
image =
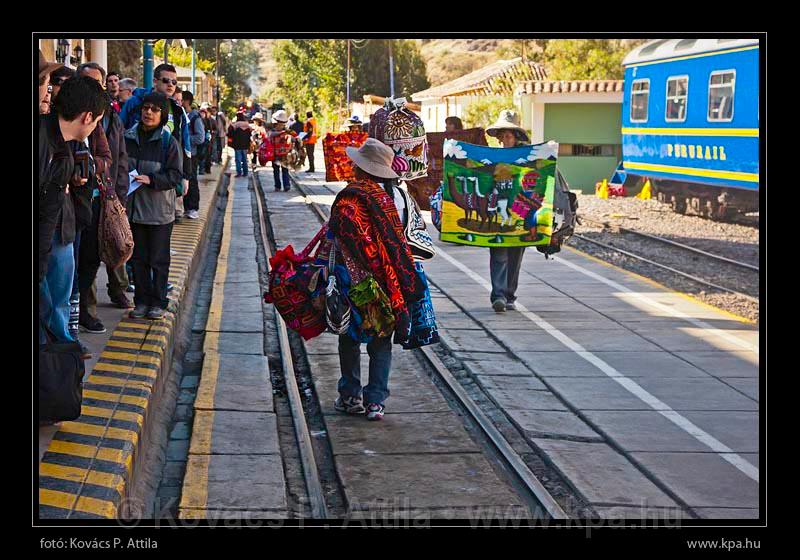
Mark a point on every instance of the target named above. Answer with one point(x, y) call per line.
point(370, 69)
point(587, 59)
point(485, 110)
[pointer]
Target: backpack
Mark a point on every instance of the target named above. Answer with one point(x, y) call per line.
point(266, 152)
point(565, 206)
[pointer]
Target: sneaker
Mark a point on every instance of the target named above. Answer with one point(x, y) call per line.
point(375, 411)
point(131, 289)
point(121, 301)
point(192, 214)
point(156, 313)
point(278, 189)
point(91, 325)
point(170, 285)
point(287, 189)
point(139, 312)
point(238, 175)
point(499, 305)
point(511, 306)
point(349, 405)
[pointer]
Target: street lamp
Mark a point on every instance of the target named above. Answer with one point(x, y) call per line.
point(61, 50)
point(77, 54)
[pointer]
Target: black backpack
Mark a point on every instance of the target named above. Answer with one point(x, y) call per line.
point(565, 208)
point(61, 371)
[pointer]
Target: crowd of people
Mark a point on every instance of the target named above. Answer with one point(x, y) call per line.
point(100, 134)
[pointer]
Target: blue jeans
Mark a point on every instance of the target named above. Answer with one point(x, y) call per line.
point(380, 362)
point(55, 290)
point(504, 265)
point(277, 171)
point(241, 162)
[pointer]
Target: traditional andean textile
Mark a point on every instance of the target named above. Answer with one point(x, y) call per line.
point(403, 131)
point(422, 329)
point(366, 224)
point(422, 189)
point(339, 167)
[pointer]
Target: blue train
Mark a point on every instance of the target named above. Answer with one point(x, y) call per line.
point(690, 123)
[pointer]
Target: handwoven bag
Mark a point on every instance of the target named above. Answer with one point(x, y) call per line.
point(404, 132)
point(294, 288)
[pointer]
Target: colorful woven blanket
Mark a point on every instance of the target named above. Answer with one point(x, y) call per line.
point(339, 167)
point(365, 222)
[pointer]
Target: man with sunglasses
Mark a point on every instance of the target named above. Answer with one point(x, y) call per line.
point(165, 80)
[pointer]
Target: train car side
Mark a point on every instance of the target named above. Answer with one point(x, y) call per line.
point(690, 124)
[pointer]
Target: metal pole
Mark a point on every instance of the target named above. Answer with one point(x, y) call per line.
point(391, 70)
point(147, 67)
point(348, 76)
point(193, 67)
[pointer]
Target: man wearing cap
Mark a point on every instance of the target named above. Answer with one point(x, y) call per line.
point(505, 262)
point(379, 262)
point(281, 139)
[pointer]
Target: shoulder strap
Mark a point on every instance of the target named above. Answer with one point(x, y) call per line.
point(165, 136)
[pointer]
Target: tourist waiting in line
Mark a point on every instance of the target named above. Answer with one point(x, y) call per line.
point(239, 132)
point(77, 110)
point(222, 127)
point(154, 153)
point(126, 88)
point(197, 137)
point(112, 87)
point(89, 254)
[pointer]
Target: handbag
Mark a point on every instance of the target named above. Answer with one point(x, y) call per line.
point(61, 371)
point(114, 236)
point(337, 306)
point(295, 290)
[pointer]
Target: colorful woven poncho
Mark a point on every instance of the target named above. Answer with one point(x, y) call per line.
point(365, 222)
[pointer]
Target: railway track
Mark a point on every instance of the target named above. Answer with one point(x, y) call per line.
point(689, 248)
point(512, 460)
point(715, 272)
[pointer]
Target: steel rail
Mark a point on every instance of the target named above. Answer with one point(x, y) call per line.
point(319, 509)
point(673, 243)
point(501, 444)
point(665, 267)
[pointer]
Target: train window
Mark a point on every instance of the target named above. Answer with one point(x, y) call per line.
point(640, 96)
point(721, 88)
point(596, 150)
point(685, 44)
point(677, 96)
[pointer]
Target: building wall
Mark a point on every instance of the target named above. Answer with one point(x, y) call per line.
point(577, 123)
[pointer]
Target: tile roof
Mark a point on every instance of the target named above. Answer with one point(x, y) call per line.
point(498, 78)
point(570, 86)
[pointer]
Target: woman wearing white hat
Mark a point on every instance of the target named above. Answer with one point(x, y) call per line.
point(505, 262)
point(281, 139)
point(372, 245)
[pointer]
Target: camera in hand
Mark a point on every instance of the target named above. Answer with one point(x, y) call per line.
point(84, 164)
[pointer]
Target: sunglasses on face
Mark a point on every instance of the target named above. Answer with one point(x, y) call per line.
point(151, 108)
point(169, 81)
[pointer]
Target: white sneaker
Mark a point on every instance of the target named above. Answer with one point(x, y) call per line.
point(192, 214)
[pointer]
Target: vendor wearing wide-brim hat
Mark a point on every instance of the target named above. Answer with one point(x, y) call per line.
point(506, 128)
point(505, 262)
point(355, 124)
point(278, 136)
